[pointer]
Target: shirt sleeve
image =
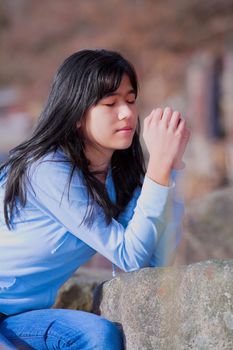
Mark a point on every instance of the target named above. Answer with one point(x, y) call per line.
point(129, 247)
point(170, 237)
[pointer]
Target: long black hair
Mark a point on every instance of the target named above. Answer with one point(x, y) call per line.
point(80, 82)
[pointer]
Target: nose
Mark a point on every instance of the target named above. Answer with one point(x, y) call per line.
point(124, 112)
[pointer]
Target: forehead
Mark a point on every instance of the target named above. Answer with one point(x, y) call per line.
point(124, 88)
point(125, 83)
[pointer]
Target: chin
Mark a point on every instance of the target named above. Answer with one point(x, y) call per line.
point(124, 146)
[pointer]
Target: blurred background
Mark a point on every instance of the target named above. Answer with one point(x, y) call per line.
point(183, 53)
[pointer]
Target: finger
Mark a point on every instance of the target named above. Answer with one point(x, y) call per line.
point(156, 115)
point(167, 114)
point(181, 126)
point(175, 120)
point(147, 120)
point(187, 132)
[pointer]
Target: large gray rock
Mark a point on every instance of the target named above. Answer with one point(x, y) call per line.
point(208, 231)
point(190, 307)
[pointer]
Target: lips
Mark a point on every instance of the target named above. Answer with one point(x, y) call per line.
point(126, 128)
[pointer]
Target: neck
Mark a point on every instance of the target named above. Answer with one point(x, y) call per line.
point(99, 162)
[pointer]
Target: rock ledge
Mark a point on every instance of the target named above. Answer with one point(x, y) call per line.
point(175, 308)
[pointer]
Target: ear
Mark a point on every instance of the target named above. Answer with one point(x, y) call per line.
point(78, 124)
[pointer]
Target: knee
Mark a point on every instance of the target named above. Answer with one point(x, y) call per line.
point(81, 330)
point(109, 336)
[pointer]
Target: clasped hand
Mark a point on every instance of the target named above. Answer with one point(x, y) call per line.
point(166, 136)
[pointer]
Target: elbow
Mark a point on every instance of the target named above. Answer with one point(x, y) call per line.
point(134, 254)
point(134, 263)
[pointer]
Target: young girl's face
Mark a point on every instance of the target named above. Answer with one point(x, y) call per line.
point(110, 125)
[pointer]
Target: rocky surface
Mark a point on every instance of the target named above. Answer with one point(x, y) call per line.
point(77, 292)
point(208, 229)
point(190, 307)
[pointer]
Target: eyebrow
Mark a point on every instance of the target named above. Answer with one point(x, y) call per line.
point(131, 91)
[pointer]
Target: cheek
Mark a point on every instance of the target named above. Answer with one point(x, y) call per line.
point(98, 129)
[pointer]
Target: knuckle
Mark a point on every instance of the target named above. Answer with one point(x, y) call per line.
point(155, 120)
point(177, 113)
point(162, 125)
point(147, 120)
point(179, 134)
point(158, 110)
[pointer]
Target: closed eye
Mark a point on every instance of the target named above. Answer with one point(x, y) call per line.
point(109, 104)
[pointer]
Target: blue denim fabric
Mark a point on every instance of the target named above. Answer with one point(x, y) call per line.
point(59, 329)
point(5, 344)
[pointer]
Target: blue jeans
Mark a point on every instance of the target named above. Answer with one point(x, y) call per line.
point(59, 329)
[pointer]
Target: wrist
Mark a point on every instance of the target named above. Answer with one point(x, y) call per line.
point(179, 165)
point(159, 173)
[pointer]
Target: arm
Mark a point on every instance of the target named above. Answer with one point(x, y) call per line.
point(173, 126)
point(169, 240)
point(129, 248)
point(171, 236)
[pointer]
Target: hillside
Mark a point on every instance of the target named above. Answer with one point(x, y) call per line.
point(158, 36)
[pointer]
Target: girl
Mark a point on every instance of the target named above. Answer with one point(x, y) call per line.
point(77, 187)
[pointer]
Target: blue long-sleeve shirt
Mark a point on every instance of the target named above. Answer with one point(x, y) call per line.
point(50, 240)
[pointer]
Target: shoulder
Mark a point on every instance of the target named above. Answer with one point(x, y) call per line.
point(51, 160)
point(54, 168)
